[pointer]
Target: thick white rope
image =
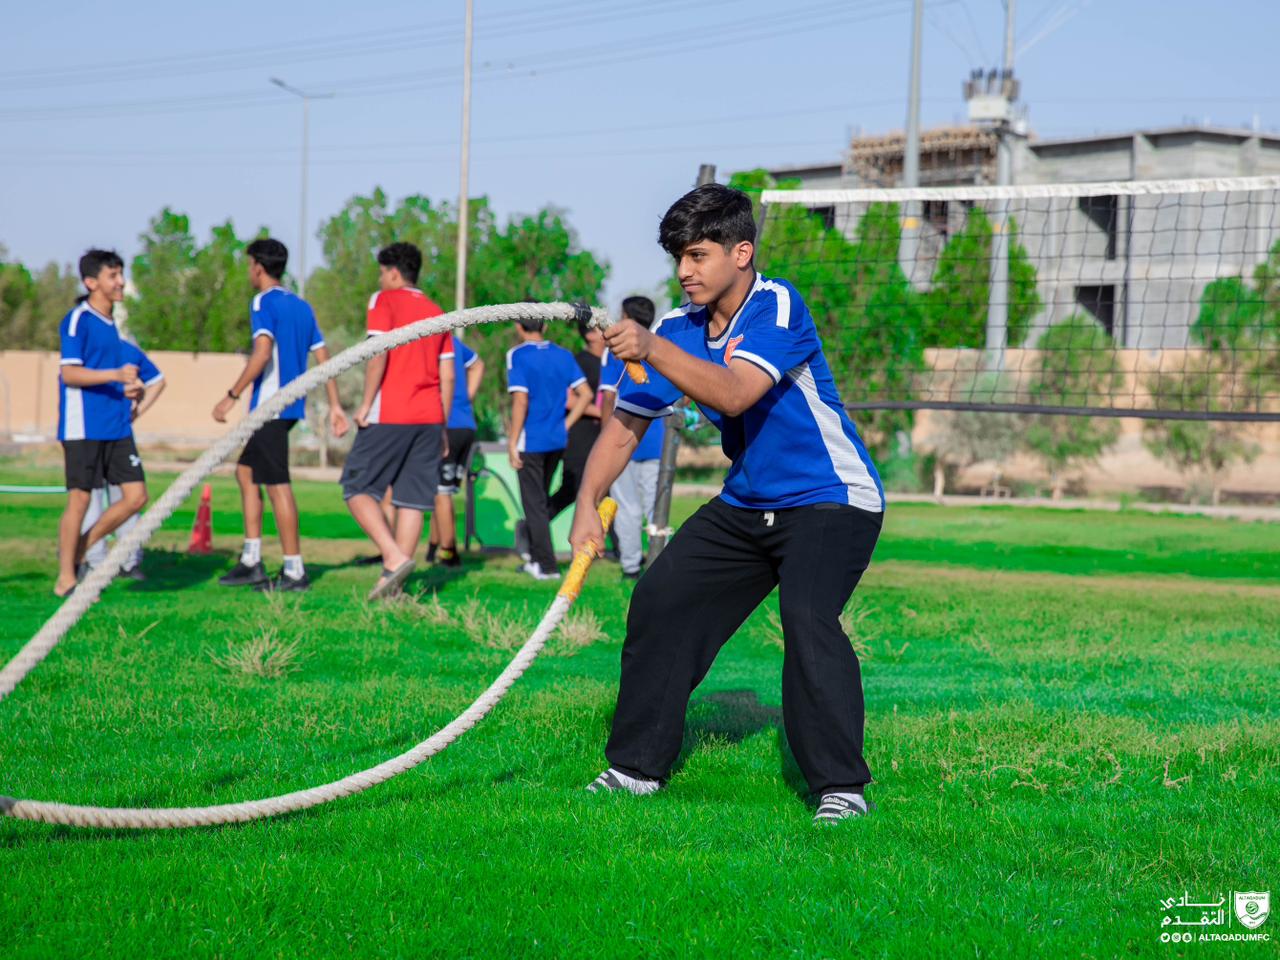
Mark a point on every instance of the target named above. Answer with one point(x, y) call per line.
point(39, 646)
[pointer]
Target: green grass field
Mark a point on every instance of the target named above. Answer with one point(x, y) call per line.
point(1071, 716)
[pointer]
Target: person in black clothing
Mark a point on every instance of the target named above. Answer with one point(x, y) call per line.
point(583, 434)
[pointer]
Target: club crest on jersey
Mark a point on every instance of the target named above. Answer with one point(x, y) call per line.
point(730, 347)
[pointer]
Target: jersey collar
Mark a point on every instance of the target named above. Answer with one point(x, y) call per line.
point(721, 340)
point(97, 314)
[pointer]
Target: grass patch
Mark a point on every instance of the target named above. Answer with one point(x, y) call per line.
point(1057, 747)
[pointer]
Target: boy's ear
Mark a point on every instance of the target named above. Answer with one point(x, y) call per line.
point(743, 254)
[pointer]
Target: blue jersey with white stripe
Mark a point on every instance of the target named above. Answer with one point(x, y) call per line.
point(100, 412)
point(291, 324)
point(612, 372)
point(461, 416)
point(796, 445)
point(546, 372)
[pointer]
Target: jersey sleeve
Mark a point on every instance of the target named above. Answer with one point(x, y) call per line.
point(464, 353)
point(778, 333)
point(649, 400)
point(572, 372)
point(262, 322)
point(317, 338)
point(148, 372)
point(379, 320)
point(71, 338)
point(517, 374)
point(611, 371)
point(447, 349)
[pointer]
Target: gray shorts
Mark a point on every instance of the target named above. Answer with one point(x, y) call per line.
point(402, 456)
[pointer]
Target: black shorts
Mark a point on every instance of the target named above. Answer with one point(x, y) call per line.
point(91, 464)
point(402, 456)
point(267, 453)
point(453, 468)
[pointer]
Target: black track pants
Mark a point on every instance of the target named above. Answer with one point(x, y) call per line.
point(717, 569)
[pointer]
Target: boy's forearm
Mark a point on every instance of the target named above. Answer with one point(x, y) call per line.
point(373, 372)
point(446, 388)
point(75, 375)
point(581, 398)
point(330, 386)
point(519, 411)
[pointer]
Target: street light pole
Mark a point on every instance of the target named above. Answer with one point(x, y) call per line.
point(911, 225)
point(306, 146)
point(464, 215)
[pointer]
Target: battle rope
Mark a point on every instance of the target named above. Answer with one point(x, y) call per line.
point(39, 646)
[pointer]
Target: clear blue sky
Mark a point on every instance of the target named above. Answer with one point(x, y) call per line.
point(602, 107)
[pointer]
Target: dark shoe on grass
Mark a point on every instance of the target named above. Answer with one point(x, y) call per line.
point(243, 575)
point(283, 583)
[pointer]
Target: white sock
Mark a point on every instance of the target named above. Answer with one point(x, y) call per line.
point(293, 568)
point(251, 552)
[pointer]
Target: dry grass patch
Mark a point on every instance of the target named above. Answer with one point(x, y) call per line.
point(266, 655)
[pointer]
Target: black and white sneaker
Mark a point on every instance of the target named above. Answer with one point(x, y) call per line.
point(615, 781)
point(243, 575)
point(834, 807)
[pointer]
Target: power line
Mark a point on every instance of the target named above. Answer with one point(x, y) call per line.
point(540, 64)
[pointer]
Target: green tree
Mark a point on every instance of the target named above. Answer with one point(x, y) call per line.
point(534, 257)
point(961, 438)
point(868, 316)
point(190, 297)
point(1198, 448)
point(1076, 366)
point(32, 305)
point(957, 302)
point(1240, 323)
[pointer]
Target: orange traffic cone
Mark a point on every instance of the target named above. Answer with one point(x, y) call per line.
point(202, 532)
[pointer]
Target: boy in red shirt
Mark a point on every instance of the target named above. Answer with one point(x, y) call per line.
point(407, 393)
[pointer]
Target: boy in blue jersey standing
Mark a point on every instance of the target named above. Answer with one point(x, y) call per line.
point(540, 375)
point(153, 383)
point(801, 510)
point(461, 432)
point(97, 387)
point(637, 488)
point(285, 332)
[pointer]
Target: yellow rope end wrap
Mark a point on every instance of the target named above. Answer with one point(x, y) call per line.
point(637, 373)
point(577, 575)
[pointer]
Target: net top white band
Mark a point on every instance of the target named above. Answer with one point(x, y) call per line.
point(811, 198)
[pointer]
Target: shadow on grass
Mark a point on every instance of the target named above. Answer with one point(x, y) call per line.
point(732, 716)
point(172, 570)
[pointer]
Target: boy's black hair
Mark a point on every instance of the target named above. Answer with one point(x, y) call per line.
point(405, 257)
point(710, 212)
point(270, 254)
point(95, 261)
point(639, 309)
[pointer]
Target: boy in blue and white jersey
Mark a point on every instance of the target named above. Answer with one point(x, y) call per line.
point(636, 490)
point(97, 387)
point(285, 334)
point(461, 431)
point(801, 509)
point(153, 383)
point(540, 375)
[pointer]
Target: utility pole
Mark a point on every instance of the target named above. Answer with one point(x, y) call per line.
point(670, 444)
point(306, 145)
point(911, 151)
point(464, 215)
point(992, 102)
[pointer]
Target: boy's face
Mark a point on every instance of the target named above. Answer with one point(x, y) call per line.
point(593, 338)
point(109, 283)
point(389, 277)
point(707, 270)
